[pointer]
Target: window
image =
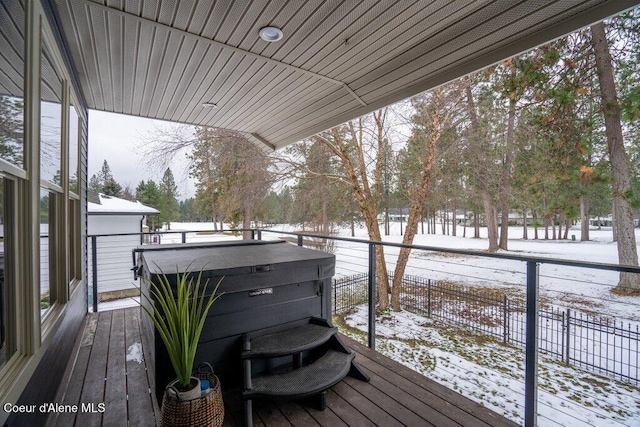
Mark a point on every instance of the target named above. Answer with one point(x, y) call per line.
point(12, 28)
point(52, 180)
point(50, 119)
point(74, 267)
point(74, 136)
point(12, 83)
point(7, 288)
point(47, 293)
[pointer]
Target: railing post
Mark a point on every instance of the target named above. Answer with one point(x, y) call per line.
point(372, 296)
point(428, 297)
point(568, 335)
point(531, 346)
point(505, 320)
point(94, 267)
point(253, 234)
point(259, 234)
point(299, 240)
point(184, 237)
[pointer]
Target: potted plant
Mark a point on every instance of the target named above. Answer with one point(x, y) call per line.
point(179, 315)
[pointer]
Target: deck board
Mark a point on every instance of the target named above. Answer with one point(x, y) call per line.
point(139, 390)
point(116, 384)
point(395, 396)
point(94, 380)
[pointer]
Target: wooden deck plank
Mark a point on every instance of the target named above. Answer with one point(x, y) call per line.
point(74, 388)
point(395, 395)
point(296, 414)
point(446, 401)
point(365, 406)
point(94, 380)
point(389, 404)
point(139, 396)
point(116, 384)
point(270, 414)
point(345, 411)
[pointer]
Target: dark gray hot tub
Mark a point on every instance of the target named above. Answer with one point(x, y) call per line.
point(267, 286)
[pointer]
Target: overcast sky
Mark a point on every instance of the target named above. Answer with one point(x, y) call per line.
point(116, 138)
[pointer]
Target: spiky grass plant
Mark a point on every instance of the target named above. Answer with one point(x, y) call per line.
point(179, 316)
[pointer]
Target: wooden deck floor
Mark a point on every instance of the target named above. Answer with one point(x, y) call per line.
point(395, 395)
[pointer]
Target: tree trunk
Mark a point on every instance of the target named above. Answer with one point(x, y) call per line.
point(464, 224)
point(584, 218)
point(560, 223)
point(436, 128)
point(325, 217)
point(246, 224)
point(476, 225)
point(454, 222)
point(623, 214)
point(506, 176)
point(492, 221)
point(535, 226)
point(433, 222)
point(525, 234)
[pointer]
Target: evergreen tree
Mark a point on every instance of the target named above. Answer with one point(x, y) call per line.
point(186, 210)
point(103, 182)
point(168, 197)
point(148, 194)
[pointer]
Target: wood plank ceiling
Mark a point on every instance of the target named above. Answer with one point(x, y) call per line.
point(338, 59)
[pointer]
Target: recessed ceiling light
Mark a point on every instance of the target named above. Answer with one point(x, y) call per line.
point(209, 105)
point(270, 34)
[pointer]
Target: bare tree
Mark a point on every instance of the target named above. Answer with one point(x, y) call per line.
point(622, 211)
point(432, 120)
point(479, 168)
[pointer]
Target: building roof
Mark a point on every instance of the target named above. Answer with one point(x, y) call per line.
point(110, 205)
point(337, 60)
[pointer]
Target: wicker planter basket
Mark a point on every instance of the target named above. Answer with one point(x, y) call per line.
point(207, 410)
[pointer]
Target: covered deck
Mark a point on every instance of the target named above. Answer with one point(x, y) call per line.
point(107, 368)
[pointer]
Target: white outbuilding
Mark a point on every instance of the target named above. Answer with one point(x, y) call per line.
point(116, 217)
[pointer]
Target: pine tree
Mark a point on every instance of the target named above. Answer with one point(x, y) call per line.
point(148, 194)
point(168, 197)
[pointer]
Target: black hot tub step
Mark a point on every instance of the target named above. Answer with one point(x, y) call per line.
point(289, 341)
point(309, 380)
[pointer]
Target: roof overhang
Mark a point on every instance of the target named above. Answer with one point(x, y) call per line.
point(338, 59)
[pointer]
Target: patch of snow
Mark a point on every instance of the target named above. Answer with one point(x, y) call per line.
point(134, 353)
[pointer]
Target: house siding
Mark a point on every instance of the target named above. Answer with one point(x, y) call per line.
point(55, 352)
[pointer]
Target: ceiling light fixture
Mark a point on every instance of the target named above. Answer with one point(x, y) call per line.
point(270, 34)
point(209, 105)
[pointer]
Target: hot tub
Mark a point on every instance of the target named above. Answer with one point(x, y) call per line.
point(267, 286)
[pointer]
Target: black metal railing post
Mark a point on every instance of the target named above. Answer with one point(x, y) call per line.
point(299, 240)
point(372, 296)
point(259, 234)
point(567, 360)
point(505, 320)
point(94, 267)
point(531, 347)
point(184, 237)
point(253, 234)
point(429, 298)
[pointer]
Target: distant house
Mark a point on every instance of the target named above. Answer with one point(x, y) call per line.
point(395, 214)
point(112, 215)
point(603, 221)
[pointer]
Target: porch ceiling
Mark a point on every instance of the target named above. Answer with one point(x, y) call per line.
point(338, 59)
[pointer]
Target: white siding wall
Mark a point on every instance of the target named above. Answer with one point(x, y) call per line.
point(113, 252)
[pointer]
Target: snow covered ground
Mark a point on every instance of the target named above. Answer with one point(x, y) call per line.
point(492, 373)
point(485, 370)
